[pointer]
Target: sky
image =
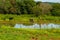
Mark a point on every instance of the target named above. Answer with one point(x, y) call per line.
point(56, 1)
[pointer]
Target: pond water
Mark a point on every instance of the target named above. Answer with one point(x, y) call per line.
point(37, 26)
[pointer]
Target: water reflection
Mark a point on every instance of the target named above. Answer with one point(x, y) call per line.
point(37, 26)
point(24, 26)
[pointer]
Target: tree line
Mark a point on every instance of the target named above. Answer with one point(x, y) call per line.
point(19, 7)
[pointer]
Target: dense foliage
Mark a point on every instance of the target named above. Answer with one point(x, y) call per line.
point(29, 7)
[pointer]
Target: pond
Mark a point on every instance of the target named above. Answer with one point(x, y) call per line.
point(37, 26)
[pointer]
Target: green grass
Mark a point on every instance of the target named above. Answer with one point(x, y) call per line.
point(29, 34)
point(24, 19)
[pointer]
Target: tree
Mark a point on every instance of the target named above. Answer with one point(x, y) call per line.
point(26, 6)
point(56, 12)
point(45, 8)
point(36, 10)
point(56, 9)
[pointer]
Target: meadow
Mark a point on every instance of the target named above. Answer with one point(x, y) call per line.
point(29, 34)
point(10, 19)
point(10, 33)
point(28, 12)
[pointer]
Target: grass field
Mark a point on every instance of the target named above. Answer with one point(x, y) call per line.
point(29, 34)
point(25, 19)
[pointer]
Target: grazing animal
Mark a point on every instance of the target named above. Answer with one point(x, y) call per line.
point(31, 20)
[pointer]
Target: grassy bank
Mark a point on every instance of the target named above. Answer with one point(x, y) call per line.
point(25, 19)
point(29, 34)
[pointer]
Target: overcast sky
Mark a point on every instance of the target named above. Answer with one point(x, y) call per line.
point(49, 0)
